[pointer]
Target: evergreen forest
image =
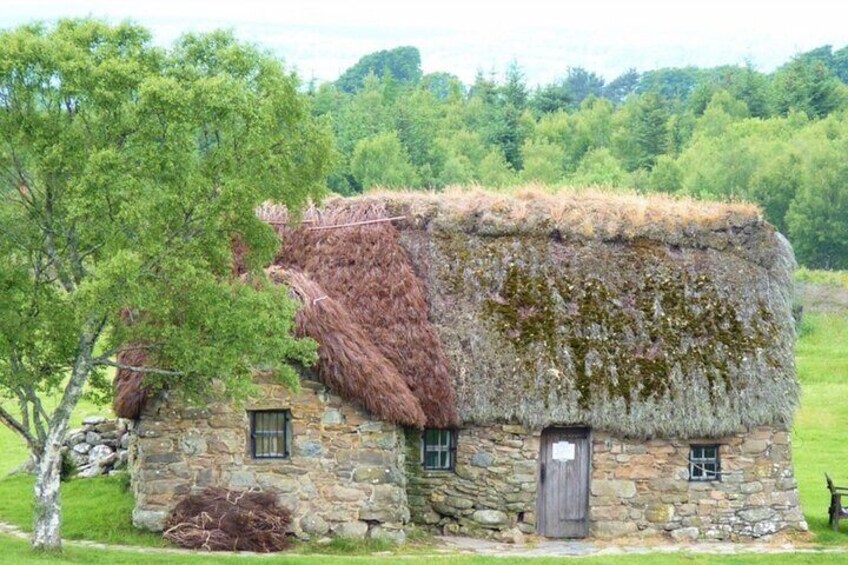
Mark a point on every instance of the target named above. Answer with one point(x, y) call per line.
point(778, 139)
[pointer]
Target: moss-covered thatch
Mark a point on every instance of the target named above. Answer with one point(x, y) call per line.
point(640, 316)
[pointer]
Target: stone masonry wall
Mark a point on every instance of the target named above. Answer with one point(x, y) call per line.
point(491, 493)
point(344, 476)
point(99, 447)
point(637, 488)
point(642, 488)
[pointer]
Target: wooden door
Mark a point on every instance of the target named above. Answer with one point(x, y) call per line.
point(562, 499)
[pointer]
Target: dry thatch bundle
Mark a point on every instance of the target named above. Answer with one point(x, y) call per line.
point(349, 362)
point(130, 392)
point(229, 520)
point(364, 268)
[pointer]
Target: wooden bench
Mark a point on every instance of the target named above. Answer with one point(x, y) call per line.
point(836, 510)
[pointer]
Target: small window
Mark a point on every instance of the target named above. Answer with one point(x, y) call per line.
point(438, 449)
point(270, 436)
point(704, 463)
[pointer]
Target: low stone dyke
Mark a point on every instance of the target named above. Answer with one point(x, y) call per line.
point(99, 447)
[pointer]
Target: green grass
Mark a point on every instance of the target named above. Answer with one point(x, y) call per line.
point(94, 509)
point(819, 444)
point(17, 551)
point(833, 278)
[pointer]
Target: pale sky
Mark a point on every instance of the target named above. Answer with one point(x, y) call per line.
point(323, 38)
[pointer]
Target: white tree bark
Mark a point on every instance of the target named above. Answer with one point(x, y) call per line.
point(46, 534)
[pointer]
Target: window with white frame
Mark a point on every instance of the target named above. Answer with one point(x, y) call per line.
point(704, 463)
point(438, 449)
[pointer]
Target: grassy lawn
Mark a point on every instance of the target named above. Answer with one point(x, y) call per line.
point(820, 427)
point(100, 509)
point(17, 551)
point(94, 509)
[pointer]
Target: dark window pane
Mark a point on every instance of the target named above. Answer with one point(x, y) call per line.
point(269, 436)
point(431, 459)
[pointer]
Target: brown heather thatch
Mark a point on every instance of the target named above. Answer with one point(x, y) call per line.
point(639, 316)
point(366, 270)
point(229, 520)
point(130, 392)
point(349, 362)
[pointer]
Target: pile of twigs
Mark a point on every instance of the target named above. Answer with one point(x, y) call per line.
point(229, 520)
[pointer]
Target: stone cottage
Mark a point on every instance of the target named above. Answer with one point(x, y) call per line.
point(571, 365)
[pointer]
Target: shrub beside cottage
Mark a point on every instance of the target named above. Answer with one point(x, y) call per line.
point(570, 365)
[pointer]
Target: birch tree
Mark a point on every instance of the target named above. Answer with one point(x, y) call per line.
point(126, 173)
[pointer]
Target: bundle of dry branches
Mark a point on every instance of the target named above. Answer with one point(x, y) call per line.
point(229, 520)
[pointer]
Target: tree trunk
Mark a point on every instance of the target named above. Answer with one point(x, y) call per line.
point(46, 535)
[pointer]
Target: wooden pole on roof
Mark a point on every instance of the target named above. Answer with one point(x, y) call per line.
point(362, 223)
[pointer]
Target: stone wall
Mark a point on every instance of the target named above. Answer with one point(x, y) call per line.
point(492, 492)
point(344, 476)
point(638, 488)
point(99, 447)
point(642, 488)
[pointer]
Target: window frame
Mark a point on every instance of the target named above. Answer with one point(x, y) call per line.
point(705, 475)
point(440, 447)
point(284, 432)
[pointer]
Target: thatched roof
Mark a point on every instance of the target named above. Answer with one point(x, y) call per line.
point(640, 316)
point(349, 362)
point(367, 272)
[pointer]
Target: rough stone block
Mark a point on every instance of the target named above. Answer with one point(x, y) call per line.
point(757, 514)
point(82, 448)
point(93, 420)
point(490, 518)
point(151, 520)
point(482, 459)
point(613, 529)
point(382, 532)
point(242, 479)
point(686, 534)
point(99, 454)
point(314, 525)
point(193, 444)
point(659, 513)
point(512, 536)
point(352, 530)
point(375, 475)
point(614, 488)
point(751, 488)
point(332, 417)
